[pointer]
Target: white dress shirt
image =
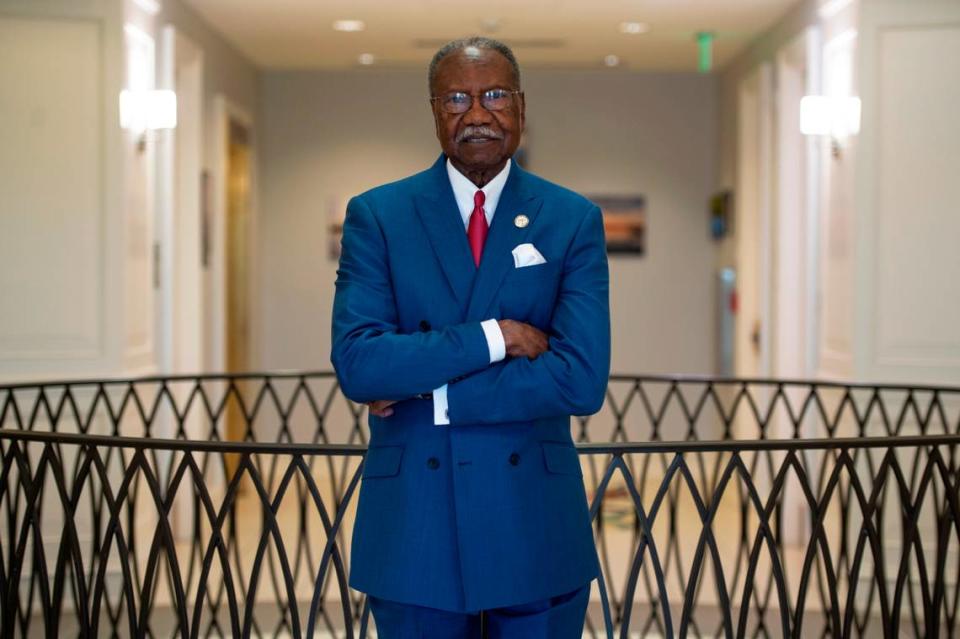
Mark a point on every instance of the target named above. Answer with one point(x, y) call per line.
point(463, 192)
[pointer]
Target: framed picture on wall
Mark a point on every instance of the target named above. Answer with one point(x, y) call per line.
point(721, 214)
point(336, 214)
point(624, 223)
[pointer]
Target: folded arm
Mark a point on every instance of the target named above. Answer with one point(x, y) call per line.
point(372, 359)
point(571, 377)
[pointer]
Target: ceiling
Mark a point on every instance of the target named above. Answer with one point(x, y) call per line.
point(298, 34)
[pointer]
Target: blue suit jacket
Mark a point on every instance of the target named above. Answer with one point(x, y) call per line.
point(489, 511)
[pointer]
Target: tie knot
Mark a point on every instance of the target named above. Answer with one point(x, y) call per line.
point(479, 198)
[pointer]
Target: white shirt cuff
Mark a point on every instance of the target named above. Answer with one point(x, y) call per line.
point(440, 415)
point(498, 348)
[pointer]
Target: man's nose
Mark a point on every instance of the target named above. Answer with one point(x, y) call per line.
point(477, 114)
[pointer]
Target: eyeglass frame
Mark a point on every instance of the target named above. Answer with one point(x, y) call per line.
point(473, 97)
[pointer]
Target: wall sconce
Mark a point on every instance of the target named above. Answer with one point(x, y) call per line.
point(837, 117)
point(149, 110)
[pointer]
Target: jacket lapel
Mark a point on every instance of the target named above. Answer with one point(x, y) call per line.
point(443, 225)
point(497, 258)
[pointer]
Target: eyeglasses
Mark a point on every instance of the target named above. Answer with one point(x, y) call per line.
point(492, 100)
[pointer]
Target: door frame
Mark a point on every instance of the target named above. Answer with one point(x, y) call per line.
point(225, 110)
point(180, 319)
point(754, 229)
point(795, 294)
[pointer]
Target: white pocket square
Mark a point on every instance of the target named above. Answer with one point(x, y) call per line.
point(527, 255)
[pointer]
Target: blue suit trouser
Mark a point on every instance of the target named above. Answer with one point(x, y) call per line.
point(559, 617)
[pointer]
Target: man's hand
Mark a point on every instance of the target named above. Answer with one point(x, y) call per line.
point(381, 407)
point(523, 340)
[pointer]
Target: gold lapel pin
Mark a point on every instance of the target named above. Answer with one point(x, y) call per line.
point(521, 221)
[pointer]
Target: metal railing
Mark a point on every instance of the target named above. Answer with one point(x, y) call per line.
point(221, 505)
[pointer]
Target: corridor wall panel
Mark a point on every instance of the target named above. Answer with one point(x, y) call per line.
point(918, 198)
point(908, 193)
point(53, 197)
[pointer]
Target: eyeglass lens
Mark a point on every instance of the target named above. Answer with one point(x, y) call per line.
point(492, 100)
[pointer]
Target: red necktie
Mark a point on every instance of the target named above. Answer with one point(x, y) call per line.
point(477, 230)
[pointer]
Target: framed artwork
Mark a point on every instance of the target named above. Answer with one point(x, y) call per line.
point(336, 214)
point(721, 214)
point(624, 223)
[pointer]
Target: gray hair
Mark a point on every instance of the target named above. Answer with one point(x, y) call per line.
point(479, 42)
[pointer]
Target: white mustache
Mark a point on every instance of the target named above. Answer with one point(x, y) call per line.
point(478, 132)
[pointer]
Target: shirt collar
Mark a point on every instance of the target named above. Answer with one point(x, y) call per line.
point(464, 189)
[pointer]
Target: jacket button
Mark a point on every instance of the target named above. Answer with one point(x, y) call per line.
point(514, 459)
point(433, 463)
point(425, 326)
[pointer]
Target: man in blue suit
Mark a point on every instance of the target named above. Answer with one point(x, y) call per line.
point(472, 315)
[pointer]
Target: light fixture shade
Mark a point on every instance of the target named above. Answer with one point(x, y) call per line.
point(633, 28)
point(815, 115)
point(349, 25)
point(835, 116)
point(148, 110)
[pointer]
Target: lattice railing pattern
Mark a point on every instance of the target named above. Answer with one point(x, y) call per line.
point(222, 506)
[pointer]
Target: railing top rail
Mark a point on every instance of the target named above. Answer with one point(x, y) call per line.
point(617, 448)
point(615, 377)
point(681, 378)
point(180, 377)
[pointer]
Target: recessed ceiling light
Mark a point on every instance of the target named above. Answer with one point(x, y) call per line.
point(634, 27)
point(150, 6)
point(349, 25)
point(490, 25)
point(611, 60)
point(366, 59)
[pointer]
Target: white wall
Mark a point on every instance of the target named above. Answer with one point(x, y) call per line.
point(907, 294)
point(886, 297)
point(772, 317)
point(228, 79)
point(327, 136)
point(77, 213)
point(61, 173)
point(764, 49)
point(226, 71)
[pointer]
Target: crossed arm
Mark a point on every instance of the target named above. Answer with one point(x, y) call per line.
point(520, 340)
point(564, 373)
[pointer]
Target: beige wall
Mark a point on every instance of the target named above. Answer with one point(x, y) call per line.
point(906, 296)
point(763, 50)
point(84, 208)
point(229, 81)
point(881, 309)
point(62, 259)
point(226, 71)
point(327, 136)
